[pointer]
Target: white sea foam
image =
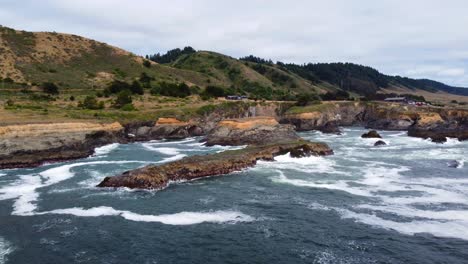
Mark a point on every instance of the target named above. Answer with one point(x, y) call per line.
point(167, 151)
point(422, 200)
point(453, 228)
point(2, 174)
point(5, 249)
point(312, 164)
point(24, 190)
point(174, 158)
point(104, 150)
point(182, 218)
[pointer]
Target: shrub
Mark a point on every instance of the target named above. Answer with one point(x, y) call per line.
point(206, 109)
point(119, 86)
point(147, 63)
point(123, 98)
point(128, 107)
point(50, 88)
point(72, 98)
point(90, 102)
point(171, 89)
point(213, 91)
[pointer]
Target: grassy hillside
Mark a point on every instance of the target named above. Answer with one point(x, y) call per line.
point(75, 62)
point(93, 80)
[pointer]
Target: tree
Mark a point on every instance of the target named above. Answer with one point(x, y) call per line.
point(172, 89)
point(303, 99)
point(118, 86)
point(50, 88)
point(123, 98)
point(214, 91)
point(136, 88)
point(171, 55)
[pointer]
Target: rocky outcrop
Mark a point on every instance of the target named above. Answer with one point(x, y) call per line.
point(439, 126)
point(330, 128)
point(33, 144)
point(380, 143)
point(371, 134)
point(164, 128)
point(250, 131)
point(321, 117)
point(157, 177)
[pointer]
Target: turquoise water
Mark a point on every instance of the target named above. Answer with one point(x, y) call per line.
point(398, 203)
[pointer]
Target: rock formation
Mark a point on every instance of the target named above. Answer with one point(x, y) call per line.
point(250, 131)
point(371, 134)
point(33, 144)
point(190, 168)
point(380, 143)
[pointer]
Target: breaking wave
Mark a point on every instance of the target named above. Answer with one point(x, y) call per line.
point(104, 150)
point(24, 190)
point(182, 218)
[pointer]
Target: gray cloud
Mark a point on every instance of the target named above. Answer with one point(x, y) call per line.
point(421, 39)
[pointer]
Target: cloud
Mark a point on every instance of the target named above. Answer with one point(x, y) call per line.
point(394, 36)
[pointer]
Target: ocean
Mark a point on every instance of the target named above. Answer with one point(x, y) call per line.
point(399, 203)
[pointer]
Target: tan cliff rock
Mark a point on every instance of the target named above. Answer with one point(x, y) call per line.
point(33, 144)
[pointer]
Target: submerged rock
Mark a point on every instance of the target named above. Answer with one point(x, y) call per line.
point(250, 131)
point(454, 164)
point(371, 134)
point(380, 143)
point(159, 176)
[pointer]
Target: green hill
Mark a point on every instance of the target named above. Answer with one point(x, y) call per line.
point(28, 59)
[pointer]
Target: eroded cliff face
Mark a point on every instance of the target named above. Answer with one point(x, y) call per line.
point(425, 122)
point(321, 116)
point(33, 144)
point(250, 131)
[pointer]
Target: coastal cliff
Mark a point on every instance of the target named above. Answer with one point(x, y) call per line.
point(33, 144)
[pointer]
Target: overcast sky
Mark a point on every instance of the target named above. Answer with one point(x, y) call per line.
point(415, 38)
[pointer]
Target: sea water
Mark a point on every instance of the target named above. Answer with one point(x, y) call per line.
point(399, 203)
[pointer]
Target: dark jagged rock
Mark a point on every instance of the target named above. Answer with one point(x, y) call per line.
point(439, 132)
point(330, 128)
point(454, 164)
point(164, 128)
point(250, 131)
point(380, 143)
point(371, 134)
point(157, 177)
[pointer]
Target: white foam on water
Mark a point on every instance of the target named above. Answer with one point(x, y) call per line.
point(24, 190)
point(409, 211)
point(182, 218)
point(169, 142)
point(5, 249)
point(2, 174)
point(452, 228)
point(104, 150)
point(338, 185)
point(225, 148)
point(312, 164)
point(425, 203)
point(174, 158)
point(167, 151)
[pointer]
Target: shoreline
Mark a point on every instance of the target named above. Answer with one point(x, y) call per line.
point(57, 142)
